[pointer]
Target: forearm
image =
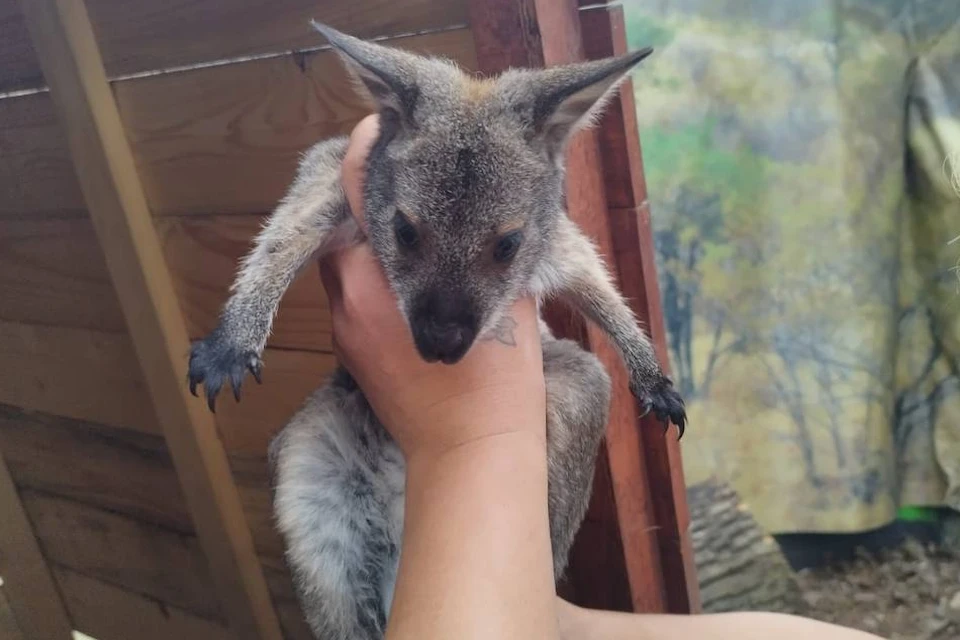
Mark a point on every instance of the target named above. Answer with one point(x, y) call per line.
point(476, 559)
point(587, 624)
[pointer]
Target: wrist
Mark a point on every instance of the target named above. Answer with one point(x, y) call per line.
point(476, 530)
point(525, 446)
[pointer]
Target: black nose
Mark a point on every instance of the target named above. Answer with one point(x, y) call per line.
point(444, 341)
point(444, 324)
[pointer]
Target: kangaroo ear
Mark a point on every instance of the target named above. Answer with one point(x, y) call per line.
point(555, 103)
point(384, 76)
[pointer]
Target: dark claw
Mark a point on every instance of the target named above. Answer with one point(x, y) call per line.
point(256, 368)
point(236, 379)
point(667, 406)
point(215, 362)
point(645, 408)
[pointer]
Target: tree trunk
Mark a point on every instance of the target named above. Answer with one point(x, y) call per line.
point(740, 568)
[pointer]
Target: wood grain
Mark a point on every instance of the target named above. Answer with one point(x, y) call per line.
point(36, 173)
point(631, 510)
point(227, 139)
point(90, 375)
point(122, 471)
point(136, 36)
point(219, 140)
point(288, 378)
point(130, 554)
point(126, 552)
point(107, 612)
point(131, 475)
point(604, 35)
point(635, 256)
point(28, 584)
point(19, 68)
point(76, 373)
point(53, 273)
point(506, 34)
point(203, 253)
point(8, 623)
point(118, 470)
point(69, 56)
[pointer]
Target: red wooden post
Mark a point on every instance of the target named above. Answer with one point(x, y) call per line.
point(616, 562)
point(604, 35)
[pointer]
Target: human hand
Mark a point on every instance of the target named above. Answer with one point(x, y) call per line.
point(495, 390)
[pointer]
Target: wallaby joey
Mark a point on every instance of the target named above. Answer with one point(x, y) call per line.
point(464, 200)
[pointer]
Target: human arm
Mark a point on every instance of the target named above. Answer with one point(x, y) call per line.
point(476, 559)
point(577, 623)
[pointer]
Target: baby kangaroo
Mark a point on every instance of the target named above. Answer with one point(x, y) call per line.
point(464, 202)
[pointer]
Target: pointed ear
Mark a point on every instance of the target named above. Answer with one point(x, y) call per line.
point(386, 77)
point(555, 103)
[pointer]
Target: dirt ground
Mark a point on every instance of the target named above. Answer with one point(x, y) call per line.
point(908, 593)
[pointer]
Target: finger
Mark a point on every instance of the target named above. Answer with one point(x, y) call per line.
point(330, 278)
point(363, 283)
point(354, 165)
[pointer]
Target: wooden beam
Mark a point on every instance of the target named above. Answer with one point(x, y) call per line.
point(615, 561)
point(63, 38)
point(37, 607)
point(604, 34)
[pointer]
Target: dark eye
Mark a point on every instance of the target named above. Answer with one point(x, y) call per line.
point(406, 233)
point(507, 246)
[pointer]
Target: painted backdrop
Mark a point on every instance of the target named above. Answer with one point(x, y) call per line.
point(797, 156)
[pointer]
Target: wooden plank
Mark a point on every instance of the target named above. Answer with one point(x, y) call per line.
point(64, 40)
point(228, 139)
point(629, 219)
point(8, 624)
point(203, 253)
point(218, 140)
point(144, 558)
point(506, 35)
point(36, 174)
point(136, 35)
point(90, 375)
point(604, 34)
point(73, 372)
point(53, 273)
point(130, 474)
point(127, 553)
point(619, 517)
point(33, 596)
point(118, 470)
point(122, 471)
point(106, 612)
point(18, 63)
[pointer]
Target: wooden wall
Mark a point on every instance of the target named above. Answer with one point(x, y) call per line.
point(214, 146)
point(105, 524)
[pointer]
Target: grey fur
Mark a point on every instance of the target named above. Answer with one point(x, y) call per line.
point(468, 162)
point(339, 482)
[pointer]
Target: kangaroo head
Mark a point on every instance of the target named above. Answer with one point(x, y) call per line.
point(466, 182)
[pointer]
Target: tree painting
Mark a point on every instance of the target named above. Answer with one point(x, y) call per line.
point(794, 156)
